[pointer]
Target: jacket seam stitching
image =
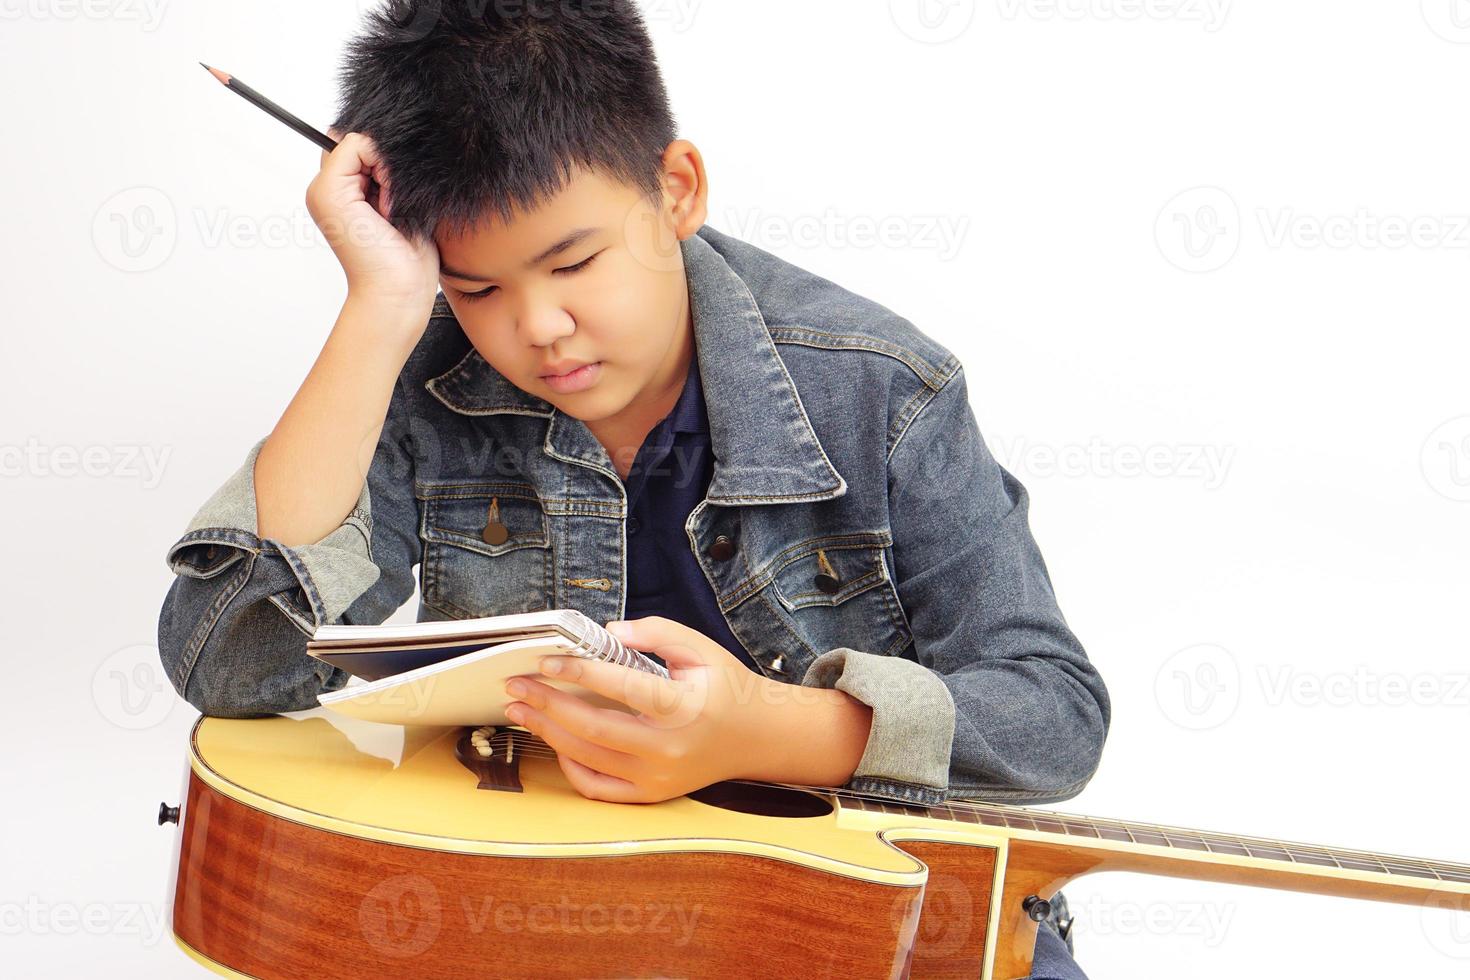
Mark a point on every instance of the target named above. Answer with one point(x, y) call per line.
point(922, 368)
point(760, 579)
point(912, 419)
point(207, 623)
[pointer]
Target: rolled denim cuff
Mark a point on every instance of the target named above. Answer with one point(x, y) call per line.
point(332, 573)
point(909, 744)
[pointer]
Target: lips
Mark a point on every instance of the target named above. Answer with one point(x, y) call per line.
point(563, 368)
point(575, 380)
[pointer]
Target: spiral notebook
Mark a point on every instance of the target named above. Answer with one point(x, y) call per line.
point(454, 672)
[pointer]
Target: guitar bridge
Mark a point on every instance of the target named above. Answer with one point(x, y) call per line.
point(490, 753)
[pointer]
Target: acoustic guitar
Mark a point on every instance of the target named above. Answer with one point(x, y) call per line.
point(310, 847)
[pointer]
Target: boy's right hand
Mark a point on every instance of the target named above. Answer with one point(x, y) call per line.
point(381, 264)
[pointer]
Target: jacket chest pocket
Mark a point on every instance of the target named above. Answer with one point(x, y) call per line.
point(837, 590)
point(486, 549)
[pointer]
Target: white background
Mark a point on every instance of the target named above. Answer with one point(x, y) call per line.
point(1226, 239)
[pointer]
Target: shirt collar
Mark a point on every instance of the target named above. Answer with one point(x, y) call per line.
point(765, 448)
point(689, 413)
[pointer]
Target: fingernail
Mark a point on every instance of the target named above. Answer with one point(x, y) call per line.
point(515, 688)
point(515, 712)
point(550, 665)
point(619, 628)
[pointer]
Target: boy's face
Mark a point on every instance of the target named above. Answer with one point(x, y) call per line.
point(614, 296)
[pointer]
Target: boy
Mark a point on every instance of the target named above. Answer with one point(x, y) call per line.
point(774, 485)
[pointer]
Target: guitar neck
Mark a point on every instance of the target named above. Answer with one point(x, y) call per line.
point(1069, 845)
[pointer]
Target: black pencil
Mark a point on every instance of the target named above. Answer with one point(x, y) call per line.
point(255, 98)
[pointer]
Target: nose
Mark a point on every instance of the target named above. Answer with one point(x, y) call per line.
point(541, 322)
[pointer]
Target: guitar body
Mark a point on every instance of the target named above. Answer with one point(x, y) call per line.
point(305, 853)
point(310, 847)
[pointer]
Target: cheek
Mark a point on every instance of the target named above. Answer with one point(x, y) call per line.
point(629, 317)
point(495, 341)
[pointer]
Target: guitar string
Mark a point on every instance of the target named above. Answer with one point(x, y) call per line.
point(1286, 848)
point(538, 748)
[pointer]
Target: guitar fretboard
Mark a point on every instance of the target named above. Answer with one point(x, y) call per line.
point(1042, 821)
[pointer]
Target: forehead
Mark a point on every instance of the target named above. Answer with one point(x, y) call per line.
point(588, 200)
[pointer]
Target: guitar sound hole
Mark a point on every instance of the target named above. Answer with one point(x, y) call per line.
point(765, 801)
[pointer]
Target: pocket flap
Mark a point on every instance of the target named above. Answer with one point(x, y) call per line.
point(829, 570)
point(460, 514)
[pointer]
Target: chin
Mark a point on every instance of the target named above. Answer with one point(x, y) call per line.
point(588, 406)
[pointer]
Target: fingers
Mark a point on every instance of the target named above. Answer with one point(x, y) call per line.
point(676, 644)
point(635, 688)
point(336, 134)
point(649, 695)
point(597, 785)
point(567, 742)
point(356, 155)
point(605, 727)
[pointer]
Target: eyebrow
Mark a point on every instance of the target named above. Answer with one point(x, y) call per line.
point(569, 241)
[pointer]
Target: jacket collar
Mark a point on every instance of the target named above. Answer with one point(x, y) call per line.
point(765, 448)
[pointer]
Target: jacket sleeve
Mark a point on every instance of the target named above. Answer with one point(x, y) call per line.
point(996, 698)
point(233, 629)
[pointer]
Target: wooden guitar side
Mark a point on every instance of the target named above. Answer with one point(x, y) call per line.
point(271, 898)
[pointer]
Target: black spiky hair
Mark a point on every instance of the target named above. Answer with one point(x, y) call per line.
point(481, 106)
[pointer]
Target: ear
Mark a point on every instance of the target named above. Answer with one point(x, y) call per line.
point(686, 187)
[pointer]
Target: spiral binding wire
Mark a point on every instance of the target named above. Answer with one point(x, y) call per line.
point(594, 641)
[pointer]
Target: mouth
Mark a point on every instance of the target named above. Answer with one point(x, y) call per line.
point(577, 379)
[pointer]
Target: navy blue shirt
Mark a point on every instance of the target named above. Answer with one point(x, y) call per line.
point(668, 479)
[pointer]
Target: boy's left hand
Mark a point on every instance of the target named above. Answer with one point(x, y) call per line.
point(709, 721)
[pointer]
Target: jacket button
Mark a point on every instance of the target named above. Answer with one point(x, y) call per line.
point(495, 532)
point(778, 663)
point(721, 549)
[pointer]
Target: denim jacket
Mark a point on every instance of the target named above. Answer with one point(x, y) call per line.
point(845, 446)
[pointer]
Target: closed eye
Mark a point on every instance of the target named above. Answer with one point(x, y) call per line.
point(568, 270)
point(580, 265)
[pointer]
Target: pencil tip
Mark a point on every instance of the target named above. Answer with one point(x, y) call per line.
point(204, 66)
